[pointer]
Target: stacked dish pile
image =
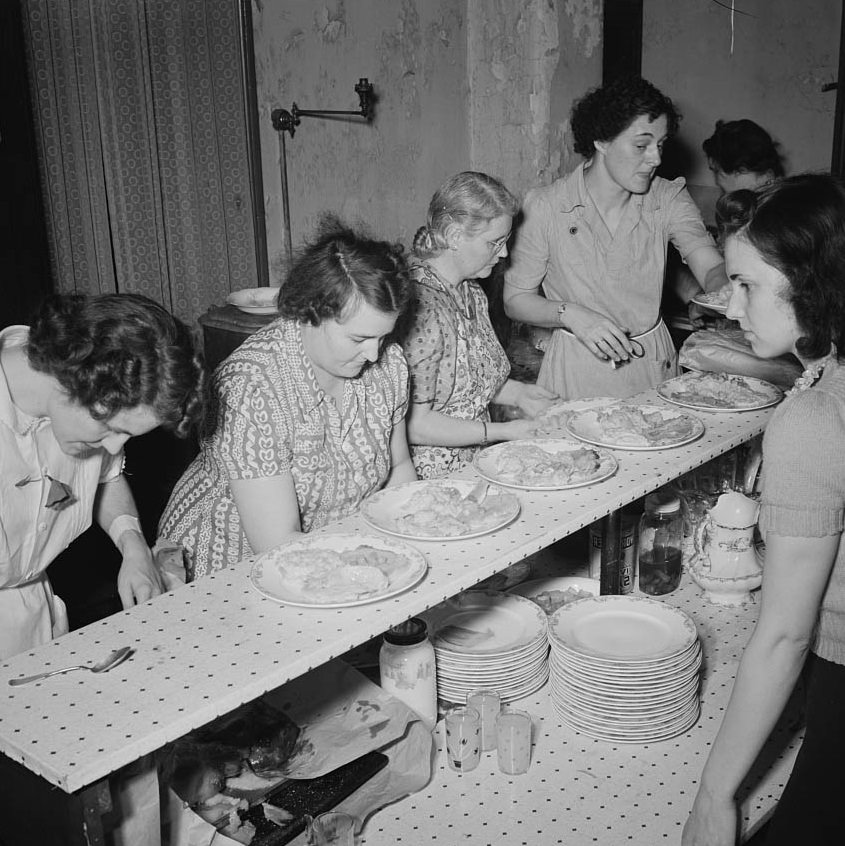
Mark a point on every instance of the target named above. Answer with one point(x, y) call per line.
point(489, 640)
point(624, 668)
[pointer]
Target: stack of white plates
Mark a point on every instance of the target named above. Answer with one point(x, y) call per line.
point(491, 641)
point(624, 668)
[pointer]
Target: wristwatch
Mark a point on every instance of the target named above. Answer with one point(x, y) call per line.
point(561, 311)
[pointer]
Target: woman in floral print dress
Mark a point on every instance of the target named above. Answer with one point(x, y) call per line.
point(310, 410)
point(457, 365)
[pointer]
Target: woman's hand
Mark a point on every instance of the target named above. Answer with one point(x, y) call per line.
point(139, 578)
point(598, 333)
point(513, 430)
point(532, 399)
point(712, 822)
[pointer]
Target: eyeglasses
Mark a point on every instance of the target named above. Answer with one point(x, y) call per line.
point(496, 246)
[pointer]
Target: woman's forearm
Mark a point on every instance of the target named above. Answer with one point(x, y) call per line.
point(433, 428)
point(767, 674)
point(533, 308)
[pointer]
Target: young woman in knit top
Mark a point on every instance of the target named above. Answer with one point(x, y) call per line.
point(785, 257)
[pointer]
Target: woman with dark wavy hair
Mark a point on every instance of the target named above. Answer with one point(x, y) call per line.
point(90, 373)
point(595, 243)
point(741, 154)
point(785, 256)
point(310, 410)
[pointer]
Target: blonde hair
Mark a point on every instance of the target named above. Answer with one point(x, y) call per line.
point(469, 200)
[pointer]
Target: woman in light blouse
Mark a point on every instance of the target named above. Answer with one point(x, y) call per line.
point(785, 256)
point(90, 373)
point(595, 243)
point(309, 414)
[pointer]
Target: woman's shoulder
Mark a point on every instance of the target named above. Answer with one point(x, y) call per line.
point(816, 414)
point(391, 364)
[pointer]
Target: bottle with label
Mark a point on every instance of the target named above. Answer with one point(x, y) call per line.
point(408, 670)
point(660, 543)
point(628, 552)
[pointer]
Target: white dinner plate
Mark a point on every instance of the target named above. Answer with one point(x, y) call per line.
point(500, 464)
point(551, 421)
point(437, 510)
point(480, 622)
point(635, 427)
point(255, 300)
point(268, 577)
point(530, 590)
point(715, 300)
point(629, 628)
point(719, 392)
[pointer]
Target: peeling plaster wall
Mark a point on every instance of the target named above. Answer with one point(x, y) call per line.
point(313, 53)
point(784, 51)
point(512, 53)
point(580, 69)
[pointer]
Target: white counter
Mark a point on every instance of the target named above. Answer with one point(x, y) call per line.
point(213, 645)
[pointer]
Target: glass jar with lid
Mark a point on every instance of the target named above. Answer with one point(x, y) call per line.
point(407, 665)
point(660, 543)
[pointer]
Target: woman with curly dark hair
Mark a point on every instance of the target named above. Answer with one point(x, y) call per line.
point(88, 375)
point(741, 154)
point(595, 243)
point(310, 410)
point(785, 256)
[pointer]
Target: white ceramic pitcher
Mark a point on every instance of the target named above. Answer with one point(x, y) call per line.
point(724, 541)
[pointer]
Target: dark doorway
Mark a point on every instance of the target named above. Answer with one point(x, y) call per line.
point(24, 263)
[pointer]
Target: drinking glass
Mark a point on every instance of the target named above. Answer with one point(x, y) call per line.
point(513, 741)
point(331, 829)
point(488, 704)
point(463, 738)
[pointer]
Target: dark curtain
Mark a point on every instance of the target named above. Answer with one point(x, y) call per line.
point(143, 126)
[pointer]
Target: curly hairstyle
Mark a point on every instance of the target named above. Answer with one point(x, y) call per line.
point(469, 200)
point(605, 112)
point(742, 146)
point(798, 226)
point(340, 267)
point(114, 352)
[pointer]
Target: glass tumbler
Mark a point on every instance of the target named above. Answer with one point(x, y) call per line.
point(463, 738)
point(488, 704)
point(513, 741)
point(331, 829)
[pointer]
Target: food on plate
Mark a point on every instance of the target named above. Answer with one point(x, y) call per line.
point(529, 464)
point(718, 299)
point(642, 425)
point(327, 575)
point(443, 511)
point(551, 600)
point(552, 421)
point(718, 390)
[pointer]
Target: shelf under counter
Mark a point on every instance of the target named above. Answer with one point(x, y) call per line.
point(579, 790)
point(215, 644)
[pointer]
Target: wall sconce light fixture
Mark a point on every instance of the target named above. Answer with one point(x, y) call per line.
point(287, 121)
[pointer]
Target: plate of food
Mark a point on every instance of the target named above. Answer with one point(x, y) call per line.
point(337, 571)
point(551, 421)
point(255, 300)
point(715, 300)
point(554, 592)
point(720, 392)
point(440, 509)
point(544, 464)
point(636, 427)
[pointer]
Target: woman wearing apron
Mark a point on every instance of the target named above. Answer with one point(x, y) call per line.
point(457, 365)
point(595, 243)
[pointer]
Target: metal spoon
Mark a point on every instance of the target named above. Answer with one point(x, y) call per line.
point(111, 660)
